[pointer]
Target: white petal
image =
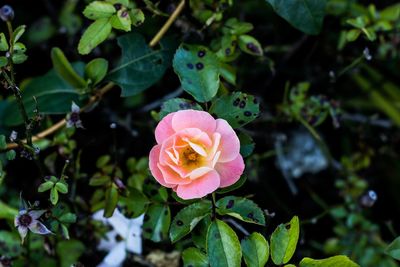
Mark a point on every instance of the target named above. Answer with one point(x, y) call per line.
point(99, 216)
point(23, 231)
point(38, 228)
point(108, 242)
point(117, 255)
point(199, 172)
point(74, 107)
point(196, 147)
point(35, 214)
point(134, 240)
point(119, 223)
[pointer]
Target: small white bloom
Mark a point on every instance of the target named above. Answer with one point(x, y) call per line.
point(130, 232)
point(25, 221)
point(73, 119)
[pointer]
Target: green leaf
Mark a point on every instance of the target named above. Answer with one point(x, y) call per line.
point(247, 144)
point(193, 257)
point(99, 180)
point(187, 219)
point(140, 66)
point(45, 186)
point(3, 142)
point(68, 218)
point(7, 212)
point(95, 34)
point(199, 233)
point(305, 15)
point(136, 202)
point(250, 45)
point(137, 16)
point(53, 196)
point(11, 154)
point(284, 241)
point(235, 27)
point(237, 108)
point(122, 2)
point(19, 58)
point(62, 187)
point(393, 249)
point(352, 35)
point(121, 20)
point(96, 70)
point(65, 231)
point(69, 252)
point(175, 104)
point(53, 95)
point(198, 71)
point(233, 187)
point(3, 62)
point(342, 261)
point(99, 10)
point(3, 42)
point(112, 197)
point(10, 244)
point(223, 246)
point(65, 70)
point(18, 32)
point(255, 250)
point(241, 208)
point(157, 222)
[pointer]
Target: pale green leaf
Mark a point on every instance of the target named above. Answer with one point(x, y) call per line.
point(95, 34)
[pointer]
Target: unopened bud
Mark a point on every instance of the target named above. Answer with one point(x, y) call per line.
point(368, 199)
point(7, 13)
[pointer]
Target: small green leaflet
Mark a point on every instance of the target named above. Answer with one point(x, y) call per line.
point(95, 34)
point(284, 241)
point(255, 250)
point(336, 261)
point(394, 249)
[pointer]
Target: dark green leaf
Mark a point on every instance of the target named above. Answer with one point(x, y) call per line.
point(157, 222)
point(241, 208)
point(198, 70)
point(393, 249)
point(284, 241)
point(223, 246)
point(10, 244)
point(99, 180)
point(247, 144)
point(237, 108)
point(65, 70)
point(112, 197)
point(199, 233)
point(103, 161)
point(95, 34)
point(65, 231)
point(305, 15)
point(136, 202)
point(53, 95)
point(255, 250)
point(336, 261)
point(3, 142)
point(140, 66)
point(68, 218)
point(175, 104)
point(187, 218)
point(193, 257)
point(69, 252)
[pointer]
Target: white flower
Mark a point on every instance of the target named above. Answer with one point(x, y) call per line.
point(25, 221)
point(130, 233)
point(73, 119)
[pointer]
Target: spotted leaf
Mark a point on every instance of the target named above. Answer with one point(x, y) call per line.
point(237, 108)
point(186, 219)
point(241, 208)
point(198, 70)
point(194, 257)
point(176, 104)
point(284, 241)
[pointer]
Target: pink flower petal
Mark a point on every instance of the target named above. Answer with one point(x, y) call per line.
point(164, 128)
point(231, 171)
point(171, 177)
point(200, 187)
point(229, 143)
point(202, 120)
point(153, 161)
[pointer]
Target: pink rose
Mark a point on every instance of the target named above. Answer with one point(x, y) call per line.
point(195, 154)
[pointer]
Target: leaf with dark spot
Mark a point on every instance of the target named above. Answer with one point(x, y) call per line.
point(243, 209)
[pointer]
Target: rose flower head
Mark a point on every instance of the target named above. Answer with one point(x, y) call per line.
point(195, 154)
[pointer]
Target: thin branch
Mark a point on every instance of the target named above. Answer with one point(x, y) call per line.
point(97, 97)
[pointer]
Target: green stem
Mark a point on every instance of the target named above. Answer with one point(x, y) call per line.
point(64, 170)
point(214, 213)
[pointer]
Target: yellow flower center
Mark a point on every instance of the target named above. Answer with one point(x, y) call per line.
point(190, 157)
